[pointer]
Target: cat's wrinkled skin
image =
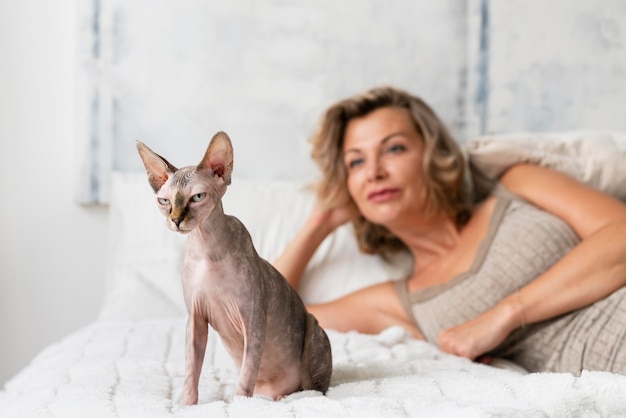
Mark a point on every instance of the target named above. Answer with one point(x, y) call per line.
point(277, 345)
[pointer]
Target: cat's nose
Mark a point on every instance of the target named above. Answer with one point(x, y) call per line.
point(177, 221)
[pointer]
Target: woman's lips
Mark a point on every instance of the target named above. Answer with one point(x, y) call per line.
point(382, 195)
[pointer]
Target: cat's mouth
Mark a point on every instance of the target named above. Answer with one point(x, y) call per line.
point(177, 228)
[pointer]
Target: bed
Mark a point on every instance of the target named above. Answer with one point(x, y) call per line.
point(129, 363)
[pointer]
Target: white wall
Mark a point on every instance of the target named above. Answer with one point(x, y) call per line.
point(51, 250)
point(173, 73)
point(556, 65)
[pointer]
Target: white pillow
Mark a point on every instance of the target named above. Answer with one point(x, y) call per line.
point(593, 157)
point(143, 275)
point(145, 257)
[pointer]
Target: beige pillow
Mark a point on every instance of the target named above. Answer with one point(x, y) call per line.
point(597, 158)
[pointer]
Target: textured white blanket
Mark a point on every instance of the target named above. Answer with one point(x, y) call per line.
point(135, 369)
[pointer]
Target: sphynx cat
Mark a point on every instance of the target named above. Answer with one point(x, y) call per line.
point(277, 345)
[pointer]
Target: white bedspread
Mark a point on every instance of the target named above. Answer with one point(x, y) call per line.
point(135, 369)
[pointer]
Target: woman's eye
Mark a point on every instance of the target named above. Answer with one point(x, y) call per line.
point(354, 163)
point(397, 148)
point(198, 197)
point(163, 201)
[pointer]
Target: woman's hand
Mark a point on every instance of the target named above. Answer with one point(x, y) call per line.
point(332, 218)
point(321, 222)
point(482, 334)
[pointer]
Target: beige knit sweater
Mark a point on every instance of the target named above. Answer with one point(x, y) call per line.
point(523, 242)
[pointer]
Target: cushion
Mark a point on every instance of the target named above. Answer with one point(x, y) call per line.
point(597, 158)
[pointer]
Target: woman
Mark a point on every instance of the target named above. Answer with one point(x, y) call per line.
point(533, 271)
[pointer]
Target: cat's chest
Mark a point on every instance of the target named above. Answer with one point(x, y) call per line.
point(205, 273)
point(220, 294)
point(211, 282)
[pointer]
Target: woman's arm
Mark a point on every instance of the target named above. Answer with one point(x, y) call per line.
point(321, 222)
point(595, 268)
point(369, 310)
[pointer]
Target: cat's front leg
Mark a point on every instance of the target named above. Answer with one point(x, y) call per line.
point(195, 347)
point(254, 343)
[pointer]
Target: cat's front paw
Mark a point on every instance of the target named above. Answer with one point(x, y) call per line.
point(241, 391)
point(190, 397)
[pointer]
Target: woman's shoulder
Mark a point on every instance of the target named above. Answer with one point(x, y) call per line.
point(584, 208)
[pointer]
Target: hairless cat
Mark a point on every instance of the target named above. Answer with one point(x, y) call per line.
point(277, 345)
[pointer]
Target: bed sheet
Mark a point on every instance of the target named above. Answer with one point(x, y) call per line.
point(135, 369)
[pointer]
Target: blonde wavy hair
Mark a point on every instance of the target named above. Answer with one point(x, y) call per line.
point(444, 166)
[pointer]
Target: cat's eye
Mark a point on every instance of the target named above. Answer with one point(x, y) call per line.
point(163, 201)
point(198, 197)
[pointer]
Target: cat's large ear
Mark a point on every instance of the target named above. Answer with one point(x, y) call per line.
point(218, 159)
point(157, 167)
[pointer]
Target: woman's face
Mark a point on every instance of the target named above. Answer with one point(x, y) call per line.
point(383, 158)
